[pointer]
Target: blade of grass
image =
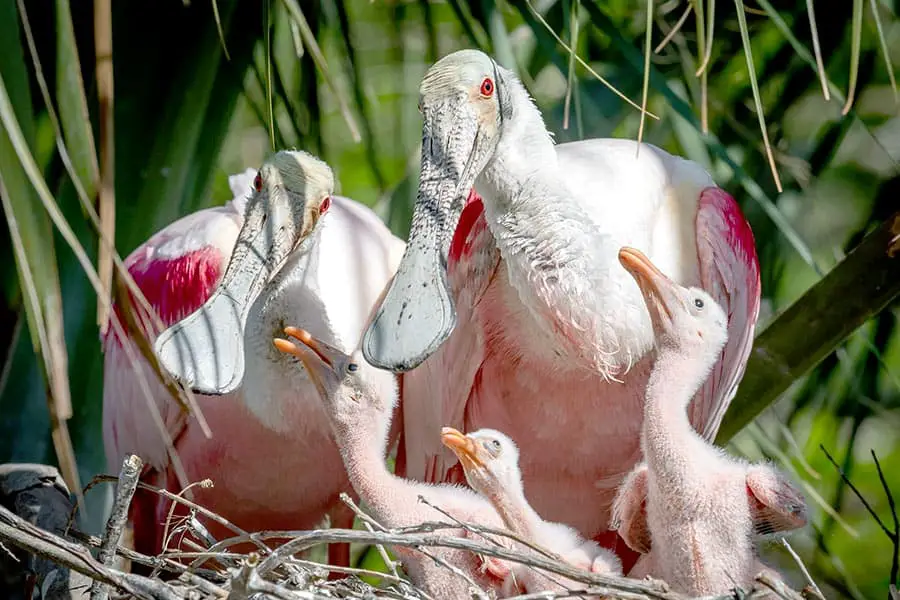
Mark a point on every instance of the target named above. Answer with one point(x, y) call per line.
point(309, 41)
point(286, 99)
point(700, 23)
point(267, 83)
point(882, 39)
point(570, 76)
point(748, 53)
point(72, 100)
point(645, 86)
point(855, 47)
point(817, 49)
point(182, 396)
point(702, 71)
point(261, 110)
point(36, 256)
point(581, 62)
point(296, 40)
point(708, 37)
point(107, 191)
point(215, 7)
point(675, 29)
point(309, 93)
point(579, 119)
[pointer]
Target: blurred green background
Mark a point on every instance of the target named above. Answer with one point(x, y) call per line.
point(340, 79)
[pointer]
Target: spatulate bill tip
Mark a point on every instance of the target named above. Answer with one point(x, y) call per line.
point(408, 328)
point(403, 353)
point(205, 350)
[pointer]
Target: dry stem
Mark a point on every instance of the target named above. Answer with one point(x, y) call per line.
point(274, 574)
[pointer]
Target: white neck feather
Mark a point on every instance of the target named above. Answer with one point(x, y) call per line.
point(558, 260)
point(276, 387)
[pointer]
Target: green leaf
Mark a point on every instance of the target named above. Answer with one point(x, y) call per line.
point(72, 102)
point(32, 237)
point(169, 162)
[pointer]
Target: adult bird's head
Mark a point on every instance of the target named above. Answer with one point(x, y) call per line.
point(684, 319)
point(205, 350)
point(489, 458)
point(464, 100)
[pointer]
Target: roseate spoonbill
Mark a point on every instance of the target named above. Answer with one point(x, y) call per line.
point(699, 507)
point(528, 323)
point(360, 415)
point(272, 459)
point(490, 460)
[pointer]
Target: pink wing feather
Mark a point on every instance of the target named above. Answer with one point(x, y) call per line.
point(176, 269)
point(729, 272)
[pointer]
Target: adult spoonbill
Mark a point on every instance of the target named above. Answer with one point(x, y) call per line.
point(226, 280)
point(700, 507)
point(360, 414)
point(528, 323)
point(490, 460)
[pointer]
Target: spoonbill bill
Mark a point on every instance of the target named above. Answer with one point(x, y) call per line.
point(224, 281)
point(511, 302)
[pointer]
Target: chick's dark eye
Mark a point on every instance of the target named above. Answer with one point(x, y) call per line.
point(492, 446)
point(257, 183)
point(353, 367)
point(487, 87)
point(698, 302)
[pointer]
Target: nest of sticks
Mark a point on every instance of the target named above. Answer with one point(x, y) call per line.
point(62, 562)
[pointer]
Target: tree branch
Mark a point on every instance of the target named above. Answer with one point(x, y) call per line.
point(866, 282)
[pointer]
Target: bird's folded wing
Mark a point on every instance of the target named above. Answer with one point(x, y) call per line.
point(176, 269)
point(729, 271)
point(629, 510)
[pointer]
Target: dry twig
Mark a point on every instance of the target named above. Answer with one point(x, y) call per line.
point(274, 574)
point(892, 534)
point(127, 484)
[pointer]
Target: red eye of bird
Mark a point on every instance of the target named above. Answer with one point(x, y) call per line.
point(326, 204)
point(257, 183)
point(487, 87)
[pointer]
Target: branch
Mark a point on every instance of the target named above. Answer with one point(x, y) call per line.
point(189, 577)
point(857, 493)
point(895, 539)
point(281, 577)
point(32, 539)
point(127, 484)
point(866, 282)
point(302, 540)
